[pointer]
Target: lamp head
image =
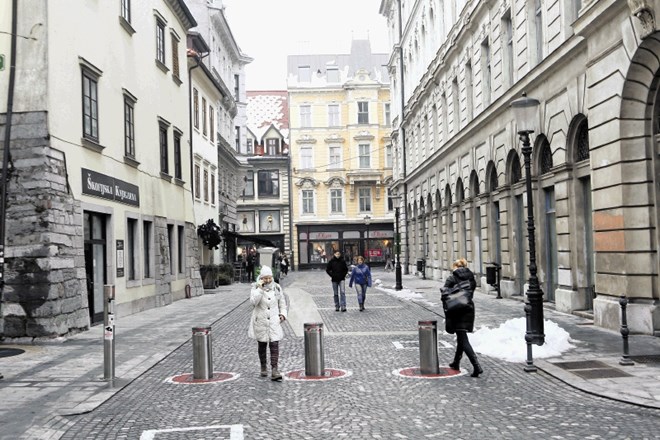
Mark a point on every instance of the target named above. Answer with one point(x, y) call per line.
point(525, 111)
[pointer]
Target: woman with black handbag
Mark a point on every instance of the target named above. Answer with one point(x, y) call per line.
point(459, 318)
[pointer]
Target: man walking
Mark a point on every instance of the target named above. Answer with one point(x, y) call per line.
point(337, 269)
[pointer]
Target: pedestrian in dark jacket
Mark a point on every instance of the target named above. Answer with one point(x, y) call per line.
point(462, 322)
point(337, 269)
point(361, 276)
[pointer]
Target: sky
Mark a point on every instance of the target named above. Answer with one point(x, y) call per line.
point(506, 342)
point(268, 31)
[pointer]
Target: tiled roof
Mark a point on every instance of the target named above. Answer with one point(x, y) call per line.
point(268, 107)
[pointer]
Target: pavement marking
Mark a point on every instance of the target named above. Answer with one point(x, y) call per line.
point(235, 433)
point(414, 345)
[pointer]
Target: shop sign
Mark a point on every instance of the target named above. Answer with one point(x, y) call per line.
point(120, 258)
point(381, 234)
point(375, 252)
point(323, 235)
point(107, 187)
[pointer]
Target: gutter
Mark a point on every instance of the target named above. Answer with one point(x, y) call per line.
point(402, 137)
point(5, 156)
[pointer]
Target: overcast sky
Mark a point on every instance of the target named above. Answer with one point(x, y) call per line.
point(269, 30)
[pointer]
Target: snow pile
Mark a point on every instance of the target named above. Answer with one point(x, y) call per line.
point(404, 294)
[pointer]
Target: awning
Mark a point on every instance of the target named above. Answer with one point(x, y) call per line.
point(252, 238)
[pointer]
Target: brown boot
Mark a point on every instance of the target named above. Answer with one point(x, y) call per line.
point(275, 374)
point(264, 370)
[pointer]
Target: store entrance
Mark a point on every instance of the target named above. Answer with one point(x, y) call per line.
point(95, 249)
point(351, 250)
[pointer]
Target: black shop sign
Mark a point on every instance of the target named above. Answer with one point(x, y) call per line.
point(107, 187)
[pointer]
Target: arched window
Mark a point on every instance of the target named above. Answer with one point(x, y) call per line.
point(582, 141)
point(492, 182)
point(545, 156)
point(516, 170)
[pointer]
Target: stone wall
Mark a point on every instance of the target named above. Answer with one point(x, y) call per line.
point(45, 292)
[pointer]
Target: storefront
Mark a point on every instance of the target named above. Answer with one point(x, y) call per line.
point(317, 243)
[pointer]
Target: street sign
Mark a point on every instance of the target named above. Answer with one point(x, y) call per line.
point(2, 62)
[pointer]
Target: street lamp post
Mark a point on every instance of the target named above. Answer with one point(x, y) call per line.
point(367, 221)
point(397, 243)
point(525, 111)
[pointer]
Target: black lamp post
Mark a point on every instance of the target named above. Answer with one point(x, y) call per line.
point(525, 111)
point(367, 221)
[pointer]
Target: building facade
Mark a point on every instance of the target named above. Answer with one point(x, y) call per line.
point(341, 156)
point(264, 208)
point(457, 67)
point(99, 192)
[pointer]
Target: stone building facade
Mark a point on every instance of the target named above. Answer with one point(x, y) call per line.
point(593, 65)
point(99, 191)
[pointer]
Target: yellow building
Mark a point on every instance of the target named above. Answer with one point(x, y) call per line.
point(341, 156)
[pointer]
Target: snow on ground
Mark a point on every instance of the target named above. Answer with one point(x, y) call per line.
point(505, 342)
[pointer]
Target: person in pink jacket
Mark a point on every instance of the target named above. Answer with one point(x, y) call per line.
point(268, 312)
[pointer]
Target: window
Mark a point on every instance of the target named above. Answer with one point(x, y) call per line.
point(147, 241)
point(454, 98)
point(164, 154)
point(363, 112)
point(388, 156)
point(306, 160)
point(211, 124)
point(445, 116)
point(126, 10)
point(272, 147)
point(204, 126)
point(485, 72)
point(469, 91)
point(333, 74)
point(304, 74)
point(131, 249)
point(333, 115)
point(268, 183)
point(538, 29)
point(507, 37)
point(364, 153)
point(90, 105)
point(181, 248)
point(237, 88)
point(249, 184)
point(237, 141)
point(196, 108)
point(305, 116)
point(206, 185)
point(335, 156)
point(307, 201)
point(212, 189)
point(160, 41)
point(175, 56)
point(129, 127)
point(336, 205)
point(388, 116)
point(170, 246)
point(364, 198)
point(198, 181)
point(177, 155)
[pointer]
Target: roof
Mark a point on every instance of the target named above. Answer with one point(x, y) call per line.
point(266, 108)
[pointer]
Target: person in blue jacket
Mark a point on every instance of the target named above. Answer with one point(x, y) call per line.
point(361, 276)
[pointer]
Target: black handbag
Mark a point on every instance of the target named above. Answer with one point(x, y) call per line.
point(458, 298)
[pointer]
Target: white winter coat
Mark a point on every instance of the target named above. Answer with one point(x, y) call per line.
point(268, 303)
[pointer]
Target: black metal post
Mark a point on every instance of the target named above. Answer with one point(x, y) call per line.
point(534, 292)
point(529, 367)
point(499, 279)
point(625, 359)
point(397, 268)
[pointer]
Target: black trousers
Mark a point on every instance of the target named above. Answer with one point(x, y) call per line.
point(463, 346)
point(274, 352)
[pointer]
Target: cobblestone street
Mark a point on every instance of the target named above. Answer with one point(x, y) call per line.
point(371, 401)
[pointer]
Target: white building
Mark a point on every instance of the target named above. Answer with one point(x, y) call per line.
point(100, 189)
point(457, 66)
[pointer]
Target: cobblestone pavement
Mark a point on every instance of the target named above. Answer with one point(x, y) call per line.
point(371, 402)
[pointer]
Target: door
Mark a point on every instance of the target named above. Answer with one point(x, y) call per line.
point(351, 250)
point(95, 262)
point(588, 243)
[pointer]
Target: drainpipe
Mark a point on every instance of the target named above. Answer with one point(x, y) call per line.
point(402, 138)
point(190, 127)
point(5, 156)
point(290, 205)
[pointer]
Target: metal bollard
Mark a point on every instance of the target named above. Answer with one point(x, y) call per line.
point(314, 361)
point(625, 359)
point(202, 353)
point(108, 332)
point(428, 347)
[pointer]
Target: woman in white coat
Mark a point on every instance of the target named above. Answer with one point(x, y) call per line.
point(269, 310)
